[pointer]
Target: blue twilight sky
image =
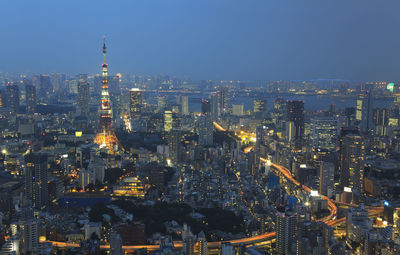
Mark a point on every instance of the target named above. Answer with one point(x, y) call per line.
point(205, 39)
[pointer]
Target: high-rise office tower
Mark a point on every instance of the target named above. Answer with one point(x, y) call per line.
point(359, 109)
point(203, 248)
point(303, 246)
point(30, 96)
point(352, 158)
point(36, 185)
point(115, 244)
point(285, 227)
point(114, 84)
point(174, 145)
point(72, 85)
point(188, 244)
point(222, 99)
point(135, 103)
point(83, 97)
point(364, 112)
point(260, 133)
point(323, 133)
point(260, 108)
point(295, 113)
point(280, 105)
point(58, 81)
point(326, 178)
point(12, 93)
point(252, 162)
point(183, 102)
point(205, 107)
point(279, 111)
point(340, 145)
point(45, 87)
point(215, 109)
point(161, 103)
point(331, 110)
point(97, 85)
point(381, 117)
point(31, 236)
point(289, 131)
point(356, 216)
point(175, 108)
point(237, 109)
point(369, 118)
point(206, 129)
point(106, 136)
point(168, 121)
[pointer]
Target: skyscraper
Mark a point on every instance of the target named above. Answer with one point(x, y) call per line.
point(215, 109)
point(323, 133)
point(352, 158)
point(369, 117)
point(31, 236)
point(58, 82)
point(203, 249)
point(45, 87)
point(260, 108)
point(260, 133)
point(12, 92)
point(36, 185)
point(83, 97)
point(206, 129)
point(364, 112)
point(205, 107)
point(343, 131)
point(168, 121)
point(289, 131)
point(381, 117)
point(295, 113)
point(106, 136)
point(174, 145)
point(183, 101)
point(326, 178)
point(222, 99)
point(285, 227)
point(356, 216)
point(114, 84)
point(188, 244)
point(161, 103)
point(30, 97)
point(279, 111)
point(135, 103)
point(252, 162)
point(237, 109)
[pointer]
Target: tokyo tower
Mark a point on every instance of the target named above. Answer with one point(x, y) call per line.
point(106, 136)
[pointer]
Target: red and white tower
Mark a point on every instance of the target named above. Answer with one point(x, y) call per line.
point(106, 136)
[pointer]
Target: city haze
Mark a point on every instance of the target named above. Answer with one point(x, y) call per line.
point(225, 39)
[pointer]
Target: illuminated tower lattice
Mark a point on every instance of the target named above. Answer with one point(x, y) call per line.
point(106, 136)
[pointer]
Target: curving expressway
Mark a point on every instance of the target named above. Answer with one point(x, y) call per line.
point(248, 240)
point(329, 219)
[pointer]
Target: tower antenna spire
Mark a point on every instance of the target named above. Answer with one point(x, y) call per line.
point(104, 48)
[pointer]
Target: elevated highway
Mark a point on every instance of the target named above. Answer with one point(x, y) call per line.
point(254, 240)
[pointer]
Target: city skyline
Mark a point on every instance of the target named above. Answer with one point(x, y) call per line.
point(125, 163)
